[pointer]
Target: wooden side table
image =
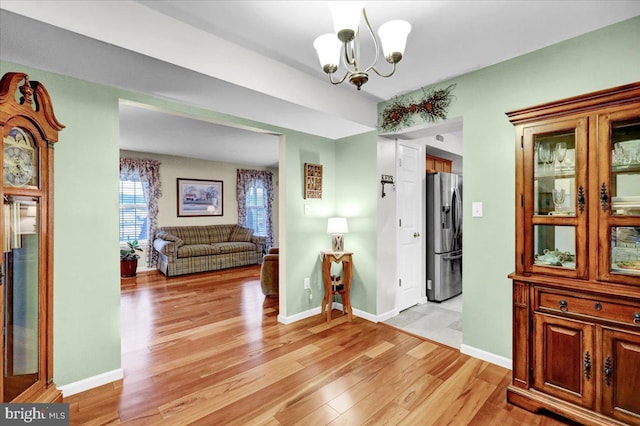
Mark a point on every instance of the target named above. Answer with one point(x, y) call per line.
point(330, 289)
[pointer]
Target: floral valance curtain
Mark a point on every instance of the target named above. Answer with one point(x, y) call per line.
point(149, 173)
point(247, 179)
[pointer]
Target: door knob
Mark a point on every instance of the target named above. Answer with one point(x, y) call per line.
point(416, 234)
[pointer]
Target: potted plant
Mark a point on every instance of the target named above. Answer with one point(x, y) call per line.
point(129, 259)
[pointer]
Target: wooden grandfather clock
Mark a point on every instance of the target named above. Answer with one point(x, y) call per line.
point(29, 130)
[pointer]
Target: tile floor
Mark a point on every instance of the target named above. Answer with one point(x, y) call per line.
point(441, 322)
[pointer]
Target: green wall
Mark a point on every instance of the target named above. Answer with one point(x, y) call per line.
point(356, 199)
point(598, 60)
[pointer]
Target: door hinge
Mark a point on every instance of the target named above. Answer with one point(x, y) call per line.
point(521, 200)
point(522, 259)
point(521, 141)
point(399, 162)
point(531, 324)
point(400, 223)
point(400, 282)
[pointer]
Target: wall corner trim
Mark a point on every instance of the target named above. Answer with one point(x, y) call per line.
point(91, 382)
point(486, 356)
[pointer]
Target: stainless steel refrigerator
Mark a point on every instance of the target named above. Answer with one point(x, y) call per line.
point(444, 236)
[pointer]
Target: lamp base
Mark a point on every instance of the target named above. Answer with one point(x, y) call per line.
point(337, 242)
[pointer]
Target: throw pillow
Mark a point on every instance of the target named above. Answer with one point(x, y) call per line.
point(241, 234)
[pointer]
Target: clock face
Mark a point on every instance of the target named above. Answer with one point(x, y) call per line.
point(19, 155)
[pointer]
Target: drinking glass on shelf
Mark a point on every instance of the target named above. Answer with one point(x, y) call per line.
point(545, 154)
point(561, 152)
point(558, 198)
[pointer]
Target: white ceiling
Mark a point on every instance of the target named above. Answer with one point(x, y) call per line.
point(254, 59)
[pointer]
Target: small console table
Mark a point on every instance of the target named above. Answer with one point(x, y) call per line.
point(341, 286)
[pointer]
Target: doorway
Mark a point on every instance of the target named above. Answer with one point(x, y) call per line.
point(438, 321)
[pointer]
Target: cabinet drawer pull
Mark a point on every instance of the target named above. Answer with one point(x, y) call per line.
point(636, 317)
point(563, 306)
point(598, 306)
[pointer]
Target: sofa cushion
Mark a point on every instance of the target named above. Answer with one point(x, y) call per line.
point(241, 234)
point(234, 247)
point(219, 233)
point(195, 250)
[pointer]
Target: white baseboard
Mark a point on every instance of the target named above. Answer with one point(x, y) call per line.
point(316, 311)
point(91, 382)
point(390, 314)
point(487, 356)
point(423, 300)
point(299, 316)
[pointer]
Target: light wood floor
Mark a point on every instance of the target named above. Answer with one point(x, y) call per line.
point(207, 349)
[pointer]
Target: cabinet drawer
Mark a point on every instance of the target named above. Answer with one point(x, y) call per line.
point(587, 305)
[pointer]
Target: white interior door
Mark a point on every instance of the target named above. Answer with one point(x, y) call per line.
point(410, 198)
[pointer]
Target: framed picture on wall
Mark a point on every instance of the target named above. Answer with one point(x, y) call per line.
point(312, 180)
point(199, 197)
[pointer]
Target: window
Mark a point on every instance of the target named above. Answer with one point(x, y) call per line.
point(256, 210)
point(133, 212)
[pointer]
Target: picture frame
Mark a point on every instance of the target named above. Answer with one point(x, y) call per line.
point(199, 197)
point(312, 180)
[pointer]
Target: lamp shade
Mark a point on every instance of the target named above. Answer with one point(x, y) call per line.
point(346, 18)
point(337, 225)
point(393, 37)
point(328, 48)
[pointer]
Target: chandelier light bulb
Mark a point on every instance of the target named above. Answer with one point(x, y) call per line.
point(328, 48)
point(393, 37)
point(346, 18)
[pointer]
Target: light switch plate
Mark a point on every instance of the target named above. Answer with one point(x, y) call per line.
point(476, 209)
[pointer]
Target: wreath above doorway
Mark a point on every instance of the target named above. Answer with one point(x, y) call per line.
point(433, 106)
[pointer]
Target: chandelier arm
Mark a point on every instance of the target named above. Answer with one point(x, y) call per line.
point(384, 75)
point(340, 81)
point(375, 42)
point(348, 48)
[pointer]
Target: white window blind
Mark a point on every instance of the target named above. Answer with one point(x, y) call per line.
point(133, 212)
point(256, 211)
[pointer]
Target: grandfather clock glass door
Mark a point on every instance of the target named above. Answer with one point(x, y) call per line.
point(21, 264)
point(21, 295)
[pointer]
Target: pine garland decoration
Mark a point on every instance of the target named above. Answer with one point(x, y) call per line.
point(433, 106)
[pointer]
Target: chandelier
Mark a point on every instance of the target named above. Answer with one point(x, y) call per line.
point(346, 21)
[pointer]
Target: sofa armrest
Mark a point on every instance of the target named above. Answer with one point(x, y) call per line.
point(166, 247)
point(261, 242)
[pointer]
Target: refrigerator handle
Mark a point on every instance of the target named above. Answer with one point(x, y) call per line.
point(457, 212)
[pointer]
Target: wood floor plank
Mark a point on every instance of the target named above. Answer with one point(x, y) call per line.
point(206, 349)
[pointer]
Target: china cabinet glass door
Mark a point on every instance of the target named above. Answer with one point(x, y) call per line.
point(555, 198)
point(619, 233)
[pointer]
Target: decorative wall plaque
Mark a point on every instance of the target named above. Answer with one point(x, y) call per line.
point(312, 180)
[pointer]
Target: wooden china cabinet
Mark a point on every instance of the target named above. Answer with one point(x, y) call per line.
point(576, 288)
point(29, 130)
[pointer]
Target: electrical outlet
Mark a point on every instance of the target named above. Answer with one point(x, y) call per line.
point(307, 283)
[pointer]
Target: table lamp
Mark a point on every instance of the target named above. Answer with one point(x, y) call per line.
point(336, 226)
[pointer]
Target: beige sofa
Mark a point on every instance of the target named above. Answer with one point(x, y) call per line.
point(188, 249)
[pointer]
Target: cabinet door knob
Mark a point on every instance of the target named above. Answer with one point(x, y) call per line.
point(563, 306)
point(608, 370)
point(636, 317)
point(604, 197)
point(416, 234)
point(587, 365)
point(581, 198)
